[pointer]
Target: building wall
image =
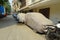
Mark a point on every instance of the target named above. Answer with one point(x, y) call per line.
point(16, 5)
point(28, 2)
point(54, 11)
point(23, 2)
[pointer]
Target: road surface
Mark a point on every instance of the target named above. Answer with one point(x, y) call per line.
point(11, 30)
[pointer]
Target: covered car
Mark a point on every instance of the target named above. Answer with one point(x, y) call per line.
point(21, 17)
point(37, 21)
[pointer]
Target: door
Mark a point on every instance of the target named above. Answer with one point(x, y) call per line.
point(31, 10)
point(45, 12)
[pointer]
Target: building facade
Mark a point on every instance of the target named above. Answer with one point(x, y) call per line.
point(49, 8)
point(16, 5)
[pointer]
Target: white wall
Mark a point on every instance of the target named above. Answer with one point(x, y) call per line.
point(28, 2)
point(55, 12)
point(36, 0)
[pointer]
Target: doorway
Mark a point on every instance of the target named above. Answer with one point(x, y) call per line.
point(31, 10)
point(45, 12)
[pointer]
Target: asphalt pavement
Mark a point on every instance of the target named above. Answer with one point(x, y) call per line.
point(11, 30)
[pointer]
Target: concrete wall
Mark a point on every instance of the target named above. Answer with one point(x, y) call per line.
point(28, 2)
point(16, 7)
point(54, 11)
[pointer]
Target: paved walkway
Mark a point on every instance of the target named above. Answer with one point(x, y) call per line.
point(10, 30)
